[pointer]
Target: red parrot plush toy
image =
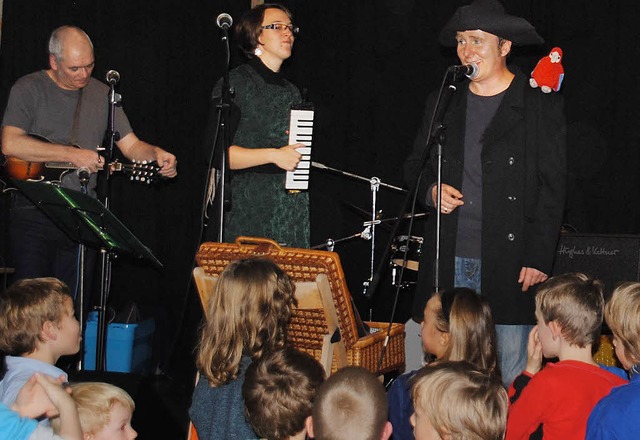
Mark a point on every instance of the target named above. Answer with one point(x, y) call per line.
point(548, 73)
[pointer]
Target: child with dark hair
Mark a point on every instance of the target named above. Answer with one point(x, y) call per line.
point(278, 393)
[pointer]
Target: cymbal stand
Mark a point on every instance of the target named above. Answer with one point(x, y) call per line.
point(370, 229)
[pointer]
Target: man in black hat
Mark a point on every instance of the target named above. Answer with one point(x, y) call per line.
point(503, 174)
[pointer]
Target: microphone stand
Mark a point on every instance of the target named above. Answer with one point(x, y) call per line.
point(84, 180)
point(112, 137)
point(435, 136)
point(221, 143)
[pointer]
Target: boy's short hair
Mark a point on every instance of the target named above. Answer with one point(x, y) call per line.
point(279, 391)
point(351, 405)
point(95, 400)
point(622, 314)
point(461, 401)
point(24, 308)
point(576, 303)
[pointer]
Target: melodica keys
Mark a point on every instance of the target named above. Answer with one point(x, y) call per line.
point(300, 131)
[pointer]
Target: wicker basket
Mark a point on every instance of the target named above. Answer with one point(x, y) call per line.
point(308, 327)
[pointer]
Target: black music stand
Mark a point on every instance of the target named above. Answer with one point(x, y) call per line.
point(87, 221)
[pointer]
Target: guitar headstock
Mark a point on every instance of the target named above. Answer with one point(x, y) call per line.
point(139, 171)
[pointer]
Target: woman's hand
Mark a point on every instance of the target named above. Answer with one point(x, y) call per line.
point(287, 157)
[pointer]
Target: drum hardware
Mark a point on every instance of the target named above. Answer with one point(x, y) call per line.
point(412, 246)
point(370, 228)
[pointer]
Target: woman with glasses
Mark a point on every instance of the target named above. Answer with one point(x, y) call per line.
point(259, 155)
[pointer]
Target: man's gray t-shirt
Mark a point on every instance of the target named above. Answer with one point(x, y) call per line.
point(38, 106)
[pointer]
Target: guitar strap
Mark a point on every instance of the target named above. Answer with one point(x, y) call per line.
point(76, 119)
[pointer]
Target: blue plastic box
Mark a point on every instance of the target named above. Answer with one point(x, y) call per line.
point(128, 345)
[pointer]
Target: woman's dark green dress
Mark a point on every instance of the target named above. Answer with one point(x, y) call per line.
point(261, 207)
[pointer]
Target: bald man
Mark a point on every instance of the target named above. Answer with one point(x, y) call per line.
point(68, 107)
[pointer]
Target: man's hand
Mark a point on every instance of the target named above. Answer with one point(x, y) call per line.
point(167, 162)
point(137, 150)
point(451, 198)
point(530, 277)
point(83, 158)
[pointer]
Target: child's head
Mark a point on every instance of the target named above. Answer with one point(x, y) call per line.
point(458, 325)
point(248, 312)
point(574, 303)
point(622, 314)
point(456, 400)
point(105, 411)
point(38, 311)
point(279, 391)
point(351, 405)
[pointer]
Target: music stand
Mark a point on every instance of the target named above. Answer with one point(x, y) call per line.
point(87, 221)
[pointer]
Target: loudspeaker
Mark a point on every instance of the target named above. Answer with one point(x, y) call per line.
point(613, 259)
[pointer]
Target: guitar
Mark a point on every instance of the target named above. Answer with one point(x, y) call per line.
point(138, 171)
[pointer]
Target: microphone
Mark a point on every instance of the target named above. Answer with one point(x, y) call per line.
point(469, 70)
point(224, 21)
point(113, 77)
point(83, 175)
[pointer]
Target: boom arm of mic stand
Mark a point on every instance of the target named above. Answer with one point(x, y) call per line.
point(435, 130)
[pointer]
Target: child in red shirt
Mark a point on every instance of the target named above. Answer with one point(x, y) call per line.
point(559, 398)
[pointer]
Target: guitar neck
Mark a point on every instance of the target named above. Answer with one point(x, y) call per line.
point(60, 165)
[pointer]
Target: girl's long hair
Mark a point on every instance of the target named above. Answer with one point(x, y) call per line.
point(470, 326)
point(247, 313)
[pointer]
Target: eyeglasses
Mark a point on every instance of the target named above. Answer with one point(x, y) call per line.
point(280, 27)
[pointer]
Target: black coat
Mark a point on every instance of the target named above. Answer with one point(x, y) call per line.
point(523, 195)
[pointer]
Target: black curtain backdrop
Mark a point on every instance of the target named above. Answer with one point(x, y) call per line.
point(368, 67)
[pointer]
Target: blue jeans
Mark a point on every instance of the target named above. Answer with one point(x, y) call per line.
point(468, 272)
point(512, 350)
point(511, 339)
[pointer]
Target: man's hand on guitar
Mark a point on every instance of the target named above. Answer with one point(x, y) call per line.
point(83, 158)
point(167, 162)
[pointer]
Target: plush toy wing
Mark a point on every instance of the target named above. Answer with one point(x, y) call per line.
point(560, 78)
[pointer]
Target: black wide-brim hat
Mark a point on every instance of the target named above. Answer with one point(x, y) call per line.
point(489, 16)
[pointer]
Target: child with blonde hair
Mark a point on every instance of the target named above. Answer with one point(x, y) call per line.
point(558, 398)
point(350, 405)
point(616, 415)
point(247, 318)
point(457, 326)
point(37, 327)
point(456, 400)
point(105, 411)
